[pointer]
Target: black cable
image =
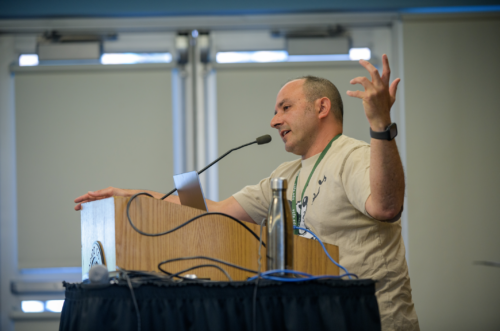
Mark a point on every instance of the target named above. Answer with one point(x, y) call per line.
point(142, 276)
point(254, 299)
point(125, 275)
point(145, 276)
point(183, 224)
point(201, 266)
point(205, 258)
point(139, 273)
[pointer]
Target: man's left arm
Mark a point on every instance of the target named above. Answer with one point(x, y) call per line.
point(387, 183)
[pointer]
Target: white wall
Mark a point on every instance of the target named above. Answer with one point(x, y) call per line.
point(453, 117)
point(81, 129)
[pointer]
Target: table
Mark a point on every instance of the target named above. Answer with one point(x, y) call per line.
point(331, 304)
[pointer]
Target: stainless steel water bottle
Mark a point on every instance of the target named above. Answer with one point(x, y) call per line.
point(279, 228)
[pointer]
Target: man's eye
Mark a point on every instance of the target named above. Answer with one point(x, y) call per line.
point(286, 107)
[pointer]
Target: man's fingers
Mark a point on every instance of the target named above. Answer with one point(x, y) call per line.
point(372, 70)
point(363, 81)
point(359, 80)
point(106, 192)
point(386, 71)
point(355, 94)
point(79, 206)
point(92, 196)
point(87, 199)
point(82, 198)
point(394, 88)
point(101, 194)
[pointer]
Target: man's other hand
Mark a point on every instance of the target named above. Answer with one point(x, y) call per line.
point(102, 194)
point(378, 96)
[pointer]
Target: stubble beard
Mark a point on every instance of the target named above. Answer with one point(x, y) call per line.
point(302, 144)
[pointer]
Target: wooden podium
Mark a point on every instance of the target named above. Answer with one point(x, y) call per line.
point(105, 221)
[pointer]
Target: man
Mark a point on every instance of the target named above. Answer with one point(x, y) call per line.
point(347, 192)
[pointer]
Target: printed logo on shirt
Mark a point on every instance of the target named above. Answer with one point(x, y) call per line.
point(320, 182)
point(301, 210)
point(301, 215)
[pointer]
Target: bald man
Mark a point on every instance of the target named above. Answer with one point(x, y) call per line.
point(348, 192)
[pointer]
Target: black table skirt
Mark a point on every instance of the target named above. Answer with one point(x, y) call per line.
point(311, 305)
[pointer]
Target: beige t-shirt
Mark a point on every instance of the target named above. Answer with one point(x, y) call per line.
point(333, 208)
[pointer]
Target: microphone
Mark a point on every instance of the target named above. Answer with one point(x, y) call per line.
point(263, 139)
point(260, 141)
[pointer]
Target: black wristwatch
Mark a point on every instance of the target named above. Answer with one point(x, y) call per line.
point(390, 133)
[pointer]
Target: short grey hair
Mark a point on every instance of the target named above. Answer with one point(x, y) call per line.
point(317, 87)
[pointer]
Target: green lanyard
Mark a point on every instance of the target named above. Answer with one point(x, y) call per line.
point(296, 221)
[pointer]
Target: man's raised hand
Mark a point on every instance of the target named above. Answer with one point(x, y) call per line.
point(378, 97)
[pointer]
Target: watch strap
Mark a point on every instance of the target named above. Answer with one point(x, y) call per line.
point(388, 134)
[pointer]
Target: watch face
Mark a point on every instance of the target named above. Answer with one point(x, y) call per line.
point(393, 130)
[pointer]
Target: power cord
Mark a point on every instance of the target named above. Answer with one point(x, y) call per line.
point(183, 224)
point(269, 274)
point(324, 248)
point(136, 306)
point(200, 257)
point(254, 299)
point(307, 277)
point(202, 266)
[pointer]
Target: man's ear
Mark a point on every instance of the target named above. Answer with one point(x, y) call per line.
point(323, 106)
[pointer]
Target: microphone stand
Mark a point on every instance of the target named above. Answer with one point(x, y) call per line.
point(211, 164)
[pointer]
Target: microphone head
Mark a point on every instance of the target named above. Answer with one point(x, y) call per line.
point(263, 139)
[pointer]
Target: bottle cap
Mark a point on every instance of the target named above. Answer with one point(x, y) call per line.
point(279, 183)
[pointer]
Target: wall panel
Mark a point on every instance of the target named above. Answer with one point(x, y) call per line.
point(85, 130)
point(452, 111)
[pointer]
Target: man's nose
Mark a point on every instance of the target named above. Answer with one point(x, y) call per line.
point(276, 121)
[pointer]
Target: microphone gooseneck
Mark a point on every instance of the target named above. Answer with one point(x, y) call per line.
point(260, 141)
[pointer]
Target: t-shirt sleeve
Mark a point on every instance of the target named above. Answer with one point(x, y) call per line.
point(355, 175)
point(255, 199)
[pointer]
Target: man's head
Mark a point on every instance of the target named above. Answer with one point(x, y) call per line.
point(304, 120)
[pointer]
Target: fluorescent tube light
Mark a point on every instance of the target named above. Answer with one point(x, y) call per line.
point(355, 54)
point(54, 306)
point(134, 58)
point(32, 306)
point(28, 60)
